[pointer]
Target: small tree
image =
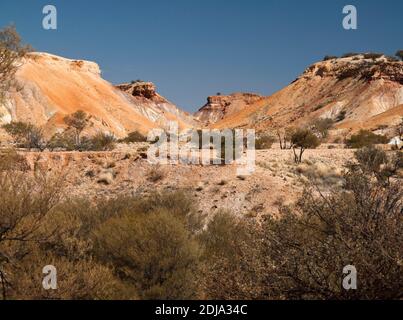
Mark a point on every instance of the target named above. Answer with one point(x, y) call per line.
point(284, 137)
point(11, 51)
point(399, 54)
point(78, 121)
point(303, 139)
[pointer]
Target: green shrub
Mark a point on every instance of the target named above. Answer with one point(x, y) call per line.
point(264, 142)
point(154, 252)
point(329, 58)
point(25, 135)
point(372, 55)
point(349, 54)
point(65, 140)
point(374, 161)
point(232, 268)
point(134, 136)
point(101, 142)
point(365, 138)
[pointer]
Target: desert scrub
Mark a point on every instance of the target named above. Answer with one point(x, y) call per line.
point(365, 138)
point(155, 174)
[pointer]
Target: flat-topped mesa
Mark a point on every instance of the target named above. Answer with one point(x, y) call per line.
point(368, 67)
point(219, 106)
point(61, 62)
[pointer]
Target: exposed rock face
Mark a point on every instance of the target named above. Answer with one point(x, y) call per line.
point(139, 89)
point(155, 107)
point(358, 67)
point(355, 92)
point(48, 87)
point(220, 106)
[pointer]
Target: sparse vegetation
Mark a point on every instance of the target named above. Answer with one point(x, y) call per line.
point(349, 54)
point(156, 246)
point(264, 141)
point(155, 174)
point(136, 81)
point(134, 136)
point(313, 243)
point(372, 55)
point(321, 126)
point(329, 58)
point(399, 54)
point(341, 116)
point(65, 140)
point(373, 161)
point(365, 138)
point(25, 135)
point(284, 138)
point(102, 142)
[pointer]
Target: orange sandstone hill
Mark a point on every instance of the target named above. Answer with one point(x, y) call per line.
point(48, 87)
point(356, 92)
point(360, 91)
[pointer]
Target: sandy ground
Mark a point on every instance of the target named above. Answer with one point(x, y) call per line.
point(277, 180)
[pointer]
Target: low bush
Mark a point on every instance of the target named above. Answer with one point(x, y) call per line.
point(341, 116)
point(26, 135)
point(134, 136)
point(329, 58)
point(155, 174)
point(372, 55)
point(101, 142)
point(365, 138)
point(65, 141)
point(321, 126)
point(264, 142)
point(349, 54)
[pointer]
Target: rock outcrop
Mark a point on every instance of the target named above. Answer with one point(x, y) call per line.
point(155, 107)
point(218, 107)
point(356, 92)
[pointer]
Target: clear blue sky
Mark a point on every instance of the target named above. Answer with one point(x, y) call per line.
point(195, 48)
